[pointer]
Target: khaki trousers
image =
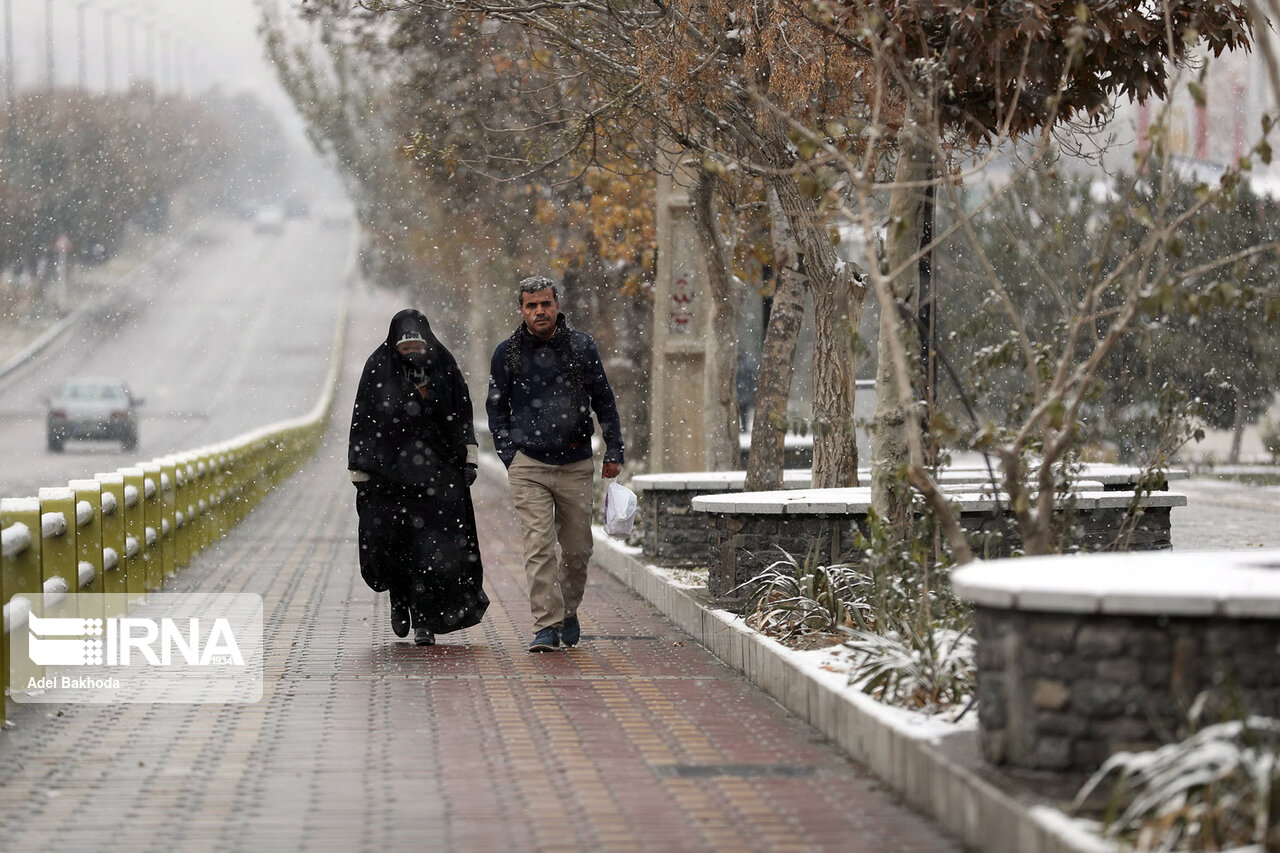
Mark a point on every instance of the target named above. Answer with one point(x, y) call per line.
point(553, 503)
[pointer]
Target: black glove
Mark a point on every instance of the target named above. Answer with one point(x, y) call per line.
point(469, 473)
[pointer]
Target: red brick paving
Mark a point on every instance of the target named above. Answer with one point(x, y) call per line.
point(637, 740)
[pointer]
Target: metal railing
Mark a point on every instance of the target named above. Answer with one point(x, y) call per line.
point(130, 530)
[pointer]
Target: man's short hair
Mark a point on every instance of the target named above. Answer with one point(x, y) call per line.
point(533, 284)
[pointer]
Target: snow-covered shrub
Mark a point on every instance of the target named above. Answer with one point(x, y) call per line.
point(1219, 789)
point(909, 638)
point(927, 669)
point(788, 600)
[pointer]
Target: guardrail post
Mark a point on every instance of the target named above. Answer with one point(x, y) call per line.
point(253, 477)
point(115, 561)
point(60, 558)
point(160, 519)
point(229, 491)
point(197, 502)
point(137, 571)
point(263, 459)
point(88, 497)
point(209, 495)
point(151, 513)
point(193, 491)
point(20, 572)
point(182, 521)
point(220, 495)
point(208, 523)
point(240, 497)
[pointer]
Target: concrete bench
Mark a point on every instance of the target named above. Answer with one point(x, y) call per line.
point(1082, 656)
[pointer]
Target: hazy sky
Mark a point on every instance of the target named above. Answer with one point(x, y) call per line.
point(193, 43)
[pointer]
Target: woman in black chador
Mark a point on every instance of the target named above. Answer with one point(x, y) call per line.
point(413, 457)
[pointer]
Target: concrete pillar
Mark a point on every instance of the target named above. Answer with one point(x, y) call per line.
point(681, 331)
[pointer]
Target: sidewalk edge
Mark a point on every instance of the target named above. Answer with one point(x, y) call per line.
point(938, 776)
point(59, 326)
point(41, 341)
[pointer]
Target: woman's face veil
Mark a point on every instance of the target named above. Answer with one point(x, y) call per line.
point(411, 340)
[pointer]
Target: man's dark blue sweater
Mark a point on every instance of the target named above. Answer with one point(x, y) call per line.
point(541, 394)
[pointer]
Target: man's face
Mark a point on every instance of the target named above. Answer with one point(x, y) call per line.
point(539, 311)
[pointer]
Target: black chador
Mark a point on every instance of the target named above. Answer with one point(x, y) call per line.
point(410, 435)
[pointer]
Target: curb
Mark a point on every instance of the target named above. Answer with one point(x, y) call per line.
point(935, 769)
point(43, 340)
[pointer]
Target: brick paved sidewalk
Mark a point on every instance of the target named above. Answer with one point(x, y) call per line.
point(637, 740)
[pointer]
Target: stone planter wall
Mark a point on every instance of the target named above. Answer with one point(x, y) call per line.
point(749, 531)
point(743, 546)
point(1063, 692)
point(1097, 529)
point(673, 534)
point(1082, 657)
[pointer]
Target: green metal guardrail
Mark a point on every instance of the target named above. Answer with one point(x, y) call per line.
point(129, 530)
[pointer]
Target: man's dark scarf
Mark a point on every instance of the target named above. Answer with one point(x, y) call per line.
point(561, 342)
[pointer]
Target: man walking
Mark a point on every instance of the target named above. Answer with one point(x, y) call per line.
point(544, 382)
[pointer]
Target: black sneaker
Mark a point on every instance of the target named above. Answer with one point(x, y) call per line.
point(546, 640)
point(423, 637)
point(570, 631)
point(400, 619)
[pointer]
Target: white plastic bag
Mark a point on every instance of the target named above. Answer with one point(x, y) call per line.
point(619, 510)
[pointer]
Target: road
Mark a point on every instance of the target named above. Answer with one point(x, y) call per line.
point(1225, 515)
point(223, 331)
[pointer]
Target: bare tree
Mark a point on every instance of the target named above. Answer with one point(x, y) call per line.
point(694, 73)
point(977, 79)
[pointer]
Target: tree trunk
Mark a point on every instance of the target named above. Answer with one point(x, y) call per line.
point(837, 310)
point(723, 451)
point(890, 453)
point(777, 359)
point(1237, 428)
